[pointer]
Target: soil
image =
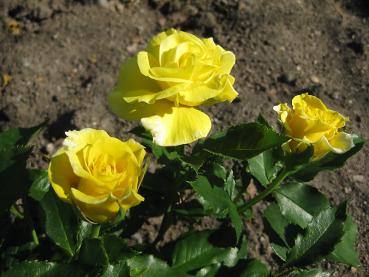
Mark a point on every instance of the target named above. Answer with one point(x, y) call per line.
point(59, 59)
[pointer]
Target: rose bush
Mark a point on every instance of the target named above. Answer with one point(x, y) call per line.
point(98, 173)
point(311, 122)
point(163, 84)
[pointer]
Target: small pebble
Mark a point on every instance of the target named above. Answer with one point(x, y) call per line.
point(50, 148)
point(358, 178)
point(315, 79)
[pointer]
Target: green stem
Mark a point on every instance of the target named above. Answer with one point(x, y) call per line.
point(35, 237)
point(14, 211)
point(273, 186)
point(95, 231)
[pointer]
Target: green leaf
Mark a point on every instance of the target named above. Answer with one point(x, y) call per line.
point(316, 272)
point(344, 251)
point(230, 186)
point(14, 153)
point(255, 268)
point(322, 234)
point(40, 184)
point(44, 269)
point(265, 166)
point(18, 136)
point(208, 271)
point(276, 221)
point(194, 251)
point(84, 231)
point(116, 248)
point(243, 141)
point(61, 224)
point(13, 175)
point(328, 162)
point(149, 266)
point(93, 253)
point(118, 269)
point(216, 201)
point(299, 203)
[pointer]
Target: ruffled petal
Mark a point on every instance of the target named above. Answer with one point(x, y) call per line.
point(136, 110)
point(133, 199)
point(132, 83)
point(95, 209)
point(77, 140)
point(283, 110)
point(183, 125)
point(341, 143)
point(61, 175)
point(137, 149)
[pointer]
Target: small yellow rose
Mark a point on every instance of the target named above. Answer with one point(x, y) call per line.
point(311, 122)
point(97, 173)
point(163, 85)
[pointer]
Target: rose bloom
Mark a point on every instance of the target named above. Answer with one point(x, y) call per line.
point(163, 85)
point(97, 173)
point(311, 122)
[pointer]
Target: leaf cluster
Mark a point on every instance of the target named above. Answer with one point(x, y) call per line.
point(46, 237)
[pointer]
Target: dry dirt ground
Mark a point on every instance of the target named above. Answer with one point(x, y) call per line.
point(59, 59)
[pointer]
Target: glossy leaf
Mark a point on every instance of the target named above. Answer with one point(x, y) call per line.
point(118, 269)
point(278, 225)
point(44, 269)
point(61, 224)
point(116, 249)
point(14, 153)
point(322, 234)
point(93, 253)
point(255, 268)
point(40, 184)
point(149, 266)
point(344, 251)
point(265, 166)
point(299, 203)
point(208, 271)
point(84, 231)
point(243, 141)
point(195, 251)
point(18, 136)
point(215, 200)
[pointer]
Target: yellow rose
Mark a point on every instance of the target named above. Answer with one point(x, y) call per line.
point(311, 122)
point(163, 85)
point(97, 173)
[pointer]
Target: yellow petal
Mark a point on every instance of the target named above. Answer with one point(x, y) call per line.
point(183, 125)
point(137, 149)
point(132, 200)
point(88, 199)
point(76, 140)
point(132, 83)
point(341, 143)
point(61, 175)
point(313, 108)
point(136, 110)
point(228, 60)
point(228, 93)
point(95, 209)
point(164, 74)
point(283, 110)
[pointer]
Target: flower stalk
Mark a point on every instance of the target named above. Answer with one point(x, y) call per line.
point(272, 187)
